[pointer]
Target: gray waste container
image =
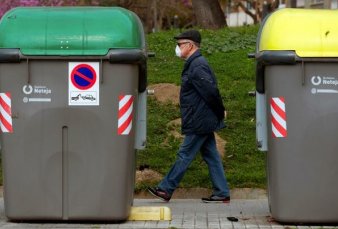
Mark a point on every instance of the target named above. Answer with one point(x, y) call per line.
point(72, 83)
point(297, 113)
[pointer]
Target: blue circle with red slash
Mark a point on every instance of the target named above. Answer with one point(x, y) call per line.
point(83, 76)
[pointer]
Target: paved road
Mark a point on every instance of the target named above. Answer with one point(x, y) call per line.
point(186, 213)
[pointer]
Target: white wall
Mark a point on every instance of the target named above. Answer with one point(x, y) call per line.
point(239, 19)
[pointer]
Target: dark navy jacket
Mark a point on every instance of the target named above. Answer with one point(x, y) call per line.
point(202, 108)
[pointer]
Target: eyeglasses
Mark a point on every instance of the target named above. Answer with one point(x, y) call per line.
point(182, 43)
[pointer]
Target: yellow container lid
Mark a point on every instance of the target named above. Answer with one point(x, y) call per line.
point(308, 32)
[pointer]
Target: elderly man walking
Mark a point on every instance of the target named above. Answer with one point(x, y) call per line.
point(202, 113)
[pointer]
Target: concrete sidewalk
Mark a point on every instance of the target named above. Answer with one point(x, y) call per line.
point(186, 213)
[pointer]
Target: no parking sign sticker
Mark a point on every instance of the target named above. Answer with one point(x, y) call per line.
point(83, 84)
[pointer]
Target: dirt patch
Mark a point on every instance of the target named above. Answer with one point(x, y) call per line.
point(147, 175)
point(166, 92)
point(175, 123)
point(174, 127)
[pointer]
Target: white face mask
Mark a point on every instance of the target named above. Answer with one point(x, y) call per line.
point(178, 51)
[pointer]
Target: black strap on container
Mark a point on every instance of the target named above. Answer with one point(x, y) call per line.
point(9, 55)
point(265, 58)
point(132, 56)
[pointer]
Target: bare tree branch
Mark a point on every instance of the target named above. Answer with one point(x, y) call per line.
point(247, 11)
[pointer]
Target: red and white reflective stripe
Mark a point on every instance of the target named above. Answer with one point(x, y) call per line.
point(6, 113)
point(278, 117)
point(125, 116)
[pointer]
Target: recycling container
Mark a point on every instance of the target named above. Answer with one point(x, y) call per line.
point(297, 113)
point(72, 102)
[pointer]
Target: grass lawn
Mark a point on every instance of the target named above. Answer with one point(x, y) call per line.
point(226, 50)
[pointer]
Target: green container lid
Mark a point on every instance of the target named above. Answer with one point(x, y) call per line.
point(70, 30)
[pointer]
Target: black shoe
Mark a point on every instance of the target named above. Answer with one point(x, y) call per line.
point(216, 199)
point(159, 193)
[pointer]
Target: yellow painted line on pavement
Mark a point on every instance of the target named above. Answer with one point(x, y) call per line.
point(150, 213)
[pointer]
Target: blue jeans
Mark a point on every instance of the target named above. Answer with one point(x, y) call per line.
point(192, 144)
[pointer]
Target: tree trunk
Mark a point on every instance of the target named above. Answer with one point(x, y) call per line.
point(209, 14)
point(149, 25)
